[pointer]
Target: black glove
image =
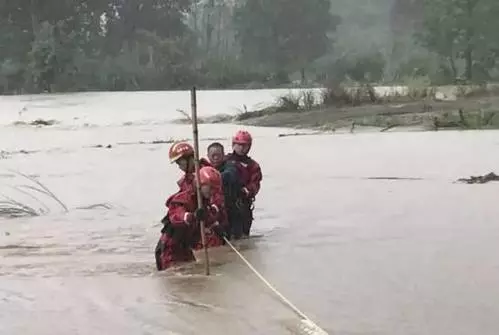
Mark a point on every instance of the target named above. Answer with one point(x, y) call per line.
point(245, 193)
point(200, 214)
point(165, 220)
point(167, 227)
point(220, 231)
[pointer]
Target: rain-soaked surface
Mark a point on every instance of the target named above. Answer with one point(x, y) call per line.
point(358, 255)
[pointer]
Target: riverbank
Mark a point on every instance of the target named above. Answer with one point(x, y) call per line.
point(363, 109)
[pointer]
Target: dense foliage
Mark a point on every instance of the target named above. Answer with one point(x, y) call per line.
point(78, 45)
point(463, 33)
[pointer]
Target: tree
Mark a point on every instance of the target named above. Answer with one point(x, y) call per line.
point(211, 21)
point(462, 30)
point(284, 35)
point(67, 45)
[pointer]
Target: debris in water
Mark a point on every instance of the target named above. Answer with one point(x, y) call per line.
point(168, 141)
point(41, 122)
point(388, 128)
point(6, 154)
point(479, 179)
point(109, 146)
point(394, 178)
point(16, 246)
point(95, 206)
point(219, 118)
point(212, 139)
point(162, 142)
point(187, 117)
point(37, 122)
point(303, 134)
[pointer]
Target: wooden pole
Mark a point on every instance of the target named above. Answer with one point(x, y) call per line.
point(195, 135)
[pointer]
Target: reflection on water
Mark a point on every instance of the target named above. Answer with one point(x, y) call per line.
point(358, 253)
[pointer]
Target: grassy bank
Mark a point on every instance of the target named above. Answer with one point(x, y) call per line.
point(354, 108)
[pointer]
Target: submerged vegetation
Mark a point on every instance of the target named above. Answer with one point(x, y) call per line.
point(33, 190)
point(31, 198)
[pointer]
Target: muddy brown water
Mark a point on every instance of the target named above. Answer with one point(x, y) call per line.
point(358, 255)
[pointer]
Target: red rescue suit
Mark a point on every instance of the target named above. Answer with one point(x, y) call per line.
point(181, 232)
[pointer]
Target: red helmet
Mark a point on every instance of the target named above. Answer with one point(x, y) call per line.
point(210, 176)
point(179, 150)
point(242, 137)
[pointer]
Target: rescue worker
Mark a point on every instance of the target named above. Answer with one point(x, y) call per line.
point(182, 153)
point(181, 231)
point(250, 176)
point(231, 186)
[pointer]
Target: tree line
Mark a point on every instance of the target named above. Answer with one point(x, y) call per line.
point(82, 45)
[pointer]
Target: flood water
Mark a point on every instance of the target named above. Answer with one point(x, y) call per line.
point(357, 255)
